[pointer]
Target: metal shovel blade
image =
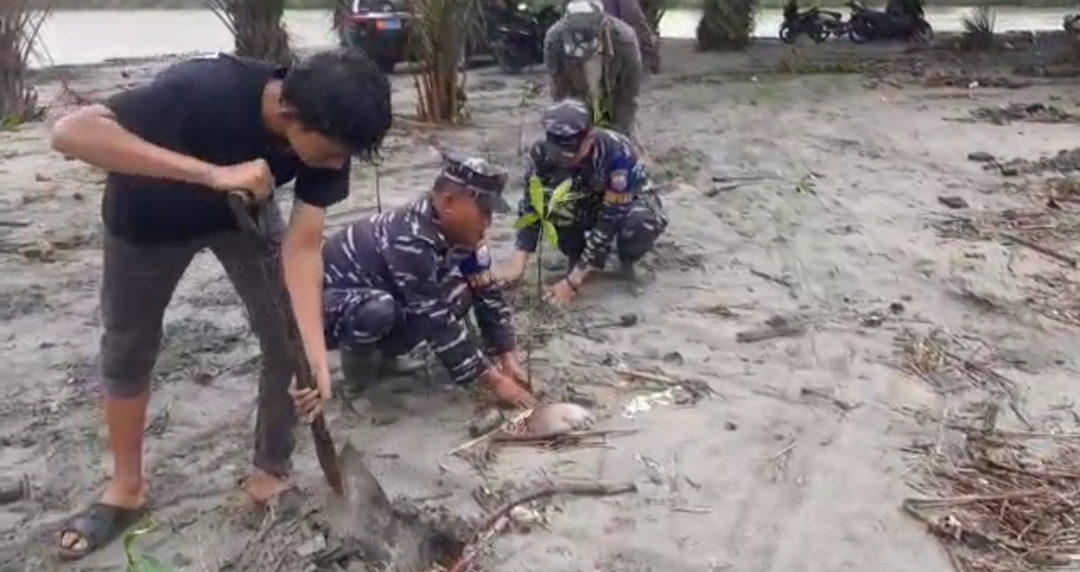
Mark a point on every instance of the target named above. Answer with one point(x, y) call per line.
point(363, 514)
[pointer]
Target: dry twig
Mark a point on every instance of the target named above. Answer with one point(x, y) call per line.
point(1003, 508)
point(499, 518)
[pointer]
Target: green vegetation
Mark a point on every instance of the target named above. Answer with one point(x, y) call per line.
point(979, 29)
point(20, 26)
point(321, 4)
point(437, 39)
point(256, 28)
point(547, 212)
point(726, 25)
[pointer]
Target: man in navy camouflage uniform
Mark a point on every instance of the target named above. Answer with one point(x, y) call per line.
point(612, 198)
point(411, 275)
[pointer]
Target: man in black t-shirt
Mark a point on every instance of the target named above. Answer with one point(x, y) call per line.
point(173, 149)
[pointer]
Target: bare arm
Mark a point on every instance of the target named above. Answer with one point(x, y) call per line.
point(95, 135)
point(301, 255)
point(301, 260)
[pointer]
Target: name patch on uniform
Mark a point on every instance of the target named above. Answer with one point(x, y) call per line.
point(482, 280)
point(618, 198)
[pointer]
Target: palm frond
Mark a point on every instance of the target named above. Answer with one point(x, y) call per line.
point(979, 28)
point(256, 26)
point(21, 22)
point(440, 29)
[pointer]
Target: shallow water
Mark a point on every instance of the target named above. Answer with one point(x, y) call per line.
point(147, 33)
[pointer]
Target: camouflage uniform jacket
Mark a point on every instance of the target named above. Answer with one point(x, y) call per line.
point(630, 11)
point(620, 77)
point(404, 253)
point(606, 184)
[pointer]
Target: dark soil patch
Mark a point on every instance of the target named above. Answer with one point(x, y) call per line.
point(23, 302)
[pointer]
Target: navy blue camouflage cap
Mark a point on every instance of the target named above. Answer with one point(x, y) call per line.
point(565, 123)
point(485, 181)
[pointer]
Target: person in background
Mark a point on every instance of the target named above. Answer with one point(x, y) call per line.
point(594, 57)
point(173, 149)
point(397, 279)
point(612, 200)
point(630, 11)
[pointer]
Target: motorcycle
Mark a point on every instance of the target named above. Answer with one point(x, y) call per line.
point(519, 37)
point(833, 22)
point(816, 23)
point(867, 25)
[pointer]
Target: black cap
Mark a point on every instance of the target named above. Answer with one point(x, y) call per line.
point(483, 179)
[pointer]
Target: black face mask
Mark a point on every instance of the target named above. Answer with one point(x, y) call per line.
point(563, 148)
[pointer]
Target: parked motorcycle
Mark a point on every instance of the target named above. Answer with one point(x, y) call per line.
point(518, 40)
point(833, 22)
point(817, 23)
point(874, 25)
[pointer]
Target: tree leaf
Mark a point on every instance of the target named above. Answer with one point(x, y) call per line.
point(559, 196)
point(526, 221)
point(536, 195)
point(551, 233)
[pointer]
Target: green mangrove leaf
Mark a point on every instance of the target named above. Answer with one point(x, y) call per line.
point(526, 221)
point(536, 195)
point(138, 562)
point(559, 196)
point(551, 233)
point(149, 564)
point(129, 540)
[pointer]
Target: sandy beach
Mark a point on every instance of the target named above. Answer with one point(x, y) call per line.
point(815, 197)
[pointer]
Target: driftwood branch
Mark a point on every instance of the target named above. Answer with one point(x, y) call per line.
point(1045, 251)
point(499, 518)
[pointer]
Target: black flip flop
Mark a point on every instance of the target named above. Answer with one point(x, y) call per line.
point(97, 526)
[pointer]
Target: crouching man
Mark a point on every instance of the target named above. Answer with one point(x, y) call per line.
point(411, 275)
point(612, 200)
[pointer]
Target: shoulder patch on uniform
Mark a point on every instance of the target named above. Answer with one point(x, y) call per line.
point(620, 180)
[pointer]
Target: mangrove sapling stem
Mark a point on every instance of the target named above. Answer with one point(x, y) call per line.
point(534, 305)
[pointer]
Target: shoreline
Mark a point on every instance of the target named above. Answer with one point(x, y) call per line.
point(306, 5)
point(53, 73)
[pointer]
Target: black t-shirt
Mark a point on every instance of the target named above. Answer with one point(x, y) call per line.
point(211, 109)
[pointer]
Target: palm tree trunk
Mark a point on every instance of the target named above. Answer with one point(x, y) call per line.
point(726, 25)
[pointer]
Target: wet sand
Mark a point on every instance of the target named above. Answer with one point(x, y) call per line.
point(829, 184)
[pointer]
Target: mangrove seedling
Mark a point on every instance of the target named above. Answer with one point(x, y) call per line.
point(137, 562)
point(545, 211)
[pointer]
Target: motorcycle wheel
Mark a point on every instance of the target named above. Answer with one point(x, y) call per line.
point(819, 34)
point(858, 33)
point(786, 34)
point(923, 33)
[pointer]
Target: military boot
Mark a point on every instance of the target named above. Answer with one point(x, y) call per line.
point(628, 273)
point(364, 377)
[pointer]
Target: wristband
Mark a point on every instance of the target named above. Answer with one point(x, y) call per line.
point(573, 286)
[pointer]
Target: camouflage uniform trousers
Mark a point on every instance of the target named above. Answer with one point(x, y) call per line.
point(370, 320)
point(635, 237)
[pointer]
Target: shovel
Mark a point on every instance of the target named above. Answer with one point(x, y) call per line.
point(347, 473)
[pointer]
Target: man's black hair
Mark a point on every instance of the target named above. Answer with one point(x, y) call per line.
point(342, 95)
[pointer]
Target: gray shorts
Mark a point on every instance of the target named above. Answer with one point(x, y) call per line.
point(138, 282)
